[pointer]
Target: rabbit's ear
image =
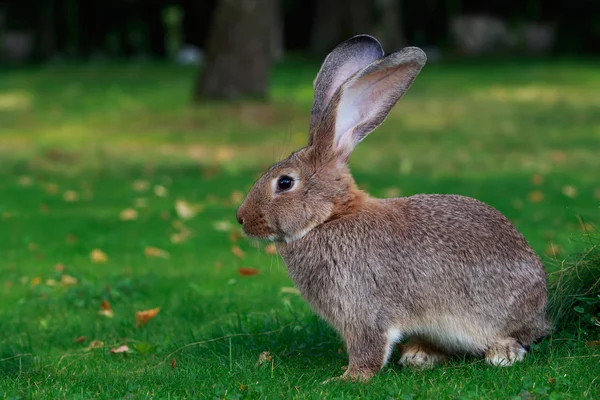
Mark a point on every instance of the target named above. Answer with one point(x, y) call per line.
point(343, 62)
point(363, 102)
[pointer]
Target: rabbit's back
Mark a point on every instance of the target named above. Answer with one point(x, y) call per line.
point(426, 260)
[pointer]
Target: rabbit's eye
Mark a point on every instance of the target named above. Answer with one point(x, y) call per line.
point(285, 183)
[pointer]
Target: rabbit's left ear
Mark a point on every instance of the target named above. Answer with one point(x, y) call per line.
point(363, 102)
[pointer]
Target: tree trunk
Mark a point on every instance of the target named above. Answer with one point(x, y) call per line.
point(392, 35)
point(239, 51)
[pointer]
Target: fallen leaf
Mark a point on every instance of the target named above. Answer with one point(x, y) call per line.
point(106, 309)
point(222, 226)
point(120, 349)
point(187, 210)
point(290, 290)
point(51, 282)
point(594, 343)
point(553, 250)
point(70, 196)
point(80, 339)
point(98, 256)
point(536, 196)
point(129, 214)
point(160, 191)
point(25, 181)
point(36, 281)
point(537, 179)
point(141, 185)
point(569, 191)
point(68, 280)
point(151, 251)
point(234, 236)
point(59, 268)
point(173, 363)
point(558, 156)
point(142, 317)
point(248, 271)
point(238, 252)
point(51, 188)
point(237, 197)
point(271, 249)
point(264, 357)
point(95, 344)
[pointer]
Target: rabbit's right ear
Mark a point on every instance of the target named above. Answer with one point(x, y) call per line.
point(344, 61)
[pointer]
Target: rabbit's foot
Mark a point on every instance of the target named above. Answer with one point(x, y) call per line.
point(504, 352)
point(417, 353)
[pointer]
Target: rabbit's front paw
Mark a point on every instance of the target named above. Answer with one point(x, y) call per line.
point(504, 353)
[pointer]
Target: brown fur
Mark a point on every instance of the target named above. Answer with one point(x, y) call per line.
point(448, 270)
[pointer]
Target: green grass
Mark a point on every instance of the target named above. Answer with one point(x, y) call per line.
point(524, 137)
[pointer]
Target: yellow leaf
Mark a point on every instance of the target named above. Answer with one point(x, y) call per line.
point(186, 210)
point(569, 191)
point(95, 344)
point(68, 280)
point(142, 317)
point(36, 281)
point(238, 252)
point(140, 185)
point(70, 196)
point(129, 214)
point(151, 251)
point(536, 196)
point(51, 282)
point(160, 191)
point(271, 249)
point(98, 256)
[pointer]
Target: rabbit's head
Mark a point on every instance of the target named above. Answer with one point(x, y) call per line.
point(355, 90)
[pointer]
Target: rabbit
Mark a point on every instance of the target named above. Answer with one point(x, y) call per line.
point(448, 273)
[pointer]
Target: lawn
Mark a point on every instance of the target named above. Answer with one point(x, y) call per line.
point(118, 196)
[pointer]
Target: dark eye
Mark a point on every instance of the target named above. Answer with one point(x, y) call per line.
point(285, 183)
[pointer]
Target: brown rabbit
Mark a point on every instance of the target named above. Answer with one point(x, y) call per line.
point(448, 272)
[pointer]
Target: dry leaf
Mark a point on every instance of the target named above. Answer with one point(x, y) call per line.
point(70, 196)
point(106, 309)
point(95, 344)
point(25, 181)
point(51, 188)
point(234, 236)
point(569, 191)
point(558, 156)
point(59, 268)
point(68, 280)
point(271, 249)
point(238, 252)
point(594, 343)
point(151, 251)
point(290, 290)
point(264, 357)
point(237, 197)
point(173, 363)
point(553, 250)
point(51, 282)
point(142, 317)
point(98, 256)
point(248, 271)
point(536, 196)
point(537, 179)
point(141, 185)
point(160, 191)
point(120, 349)
point(187, 210)
point(80, 339)
point(36, 281)
point(129, 214)
point(222, 226)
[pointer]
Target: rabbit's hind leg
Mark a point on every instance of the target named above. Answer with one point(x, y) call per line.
point(504, 352)
point(421, 354)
